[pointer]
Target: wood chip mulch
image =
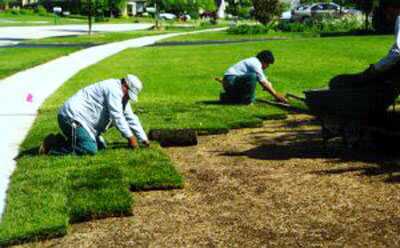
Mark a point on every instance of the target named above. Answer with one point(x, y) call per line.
point(273, 186)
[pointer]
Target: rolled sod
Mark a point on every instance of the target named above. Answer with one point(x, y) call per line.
point(177, 137)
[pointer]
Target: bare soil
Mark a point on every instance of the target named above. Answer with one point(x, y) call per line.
point(273, 186)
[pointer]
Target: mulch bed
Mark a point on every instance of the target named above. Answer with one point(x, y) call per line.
point(272, 186)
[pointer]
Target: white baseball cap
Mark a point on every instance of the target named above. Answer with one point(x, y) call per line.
point(134, 85)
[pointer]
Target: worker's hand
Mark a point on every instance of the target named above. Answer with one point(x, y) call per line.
point(146, 143)
point(133, 143)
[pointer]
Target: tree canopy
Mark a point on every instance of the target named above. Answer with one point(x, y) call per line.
point(179, 7)
point(266, 10)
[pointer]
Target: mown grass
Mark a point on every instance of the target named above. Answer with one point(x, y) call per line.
point(108, 37)
point(49, 192)
point(13, 60)
point(103, 37)
point(224, 35)
point(35, 20)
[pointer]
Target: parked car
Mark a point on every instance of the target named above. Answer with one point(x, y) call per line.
point(317, 9)
point(167, 16)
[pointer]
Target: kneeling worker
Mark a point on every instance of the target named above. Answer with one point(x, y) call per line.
point(241, 79)
point(91, 111)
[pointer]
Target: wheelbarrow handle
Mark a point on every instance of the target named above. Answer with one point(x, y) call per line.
point(288, 95)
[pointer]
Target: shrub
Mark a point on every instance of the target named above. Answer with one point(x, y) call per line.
point(292, 27)
point(266, 10)
point(248, 29)
point(14, 11)
point(208, 23)
point(325, 23)
point(330, 24)
point(26, 12)
point(40, 10)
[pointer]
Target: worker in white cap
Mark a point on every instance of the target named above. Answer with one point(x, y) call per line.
point(91, 111)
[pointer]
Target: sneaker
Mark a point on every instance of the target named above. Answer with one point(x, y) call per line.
point(48, 143)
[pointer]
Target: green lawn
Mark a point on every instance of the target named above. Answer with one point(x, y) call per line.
point(7, 19)
point(106, 37)
point(223, 35)
point(13, 60)
point(48, 192)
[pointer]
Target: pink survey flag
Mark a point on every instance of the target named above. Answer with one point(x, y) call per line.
point(29, 97)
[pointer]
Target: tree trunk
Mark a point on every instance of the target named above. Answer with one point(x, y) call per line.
point(366, 21)
point(90, 16)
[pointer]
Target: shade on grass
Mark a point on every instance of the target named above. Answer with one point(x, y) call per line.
point(13, 60)
point(48, 192)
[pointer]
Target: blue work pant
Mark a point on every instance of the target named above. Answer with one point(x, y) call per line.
point(78, 139)
point(240, 89)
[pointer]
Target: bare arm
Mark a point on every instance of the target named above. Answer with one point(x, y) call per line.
point(133, 143)
point(268, 87)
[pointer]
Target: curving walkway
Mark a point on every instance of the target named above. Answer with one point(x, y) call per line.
point(23, 93)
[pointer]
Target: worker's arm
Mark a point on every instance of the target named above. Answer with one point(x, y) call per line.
point(135, 125)
point(268, 87)
point(133, 143)
point(124, 124)
point(393, 55)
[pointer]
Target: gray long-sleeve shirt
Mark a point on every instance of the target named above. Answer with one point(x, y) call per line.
point(96, 105)
point(394, 53)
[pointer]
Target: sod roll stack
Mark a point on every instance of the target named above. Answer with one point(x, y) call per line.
point(177, 137)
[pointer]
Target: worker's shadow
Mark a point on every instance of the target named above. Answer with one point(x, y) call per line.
point(307, 144)
point(214, 102)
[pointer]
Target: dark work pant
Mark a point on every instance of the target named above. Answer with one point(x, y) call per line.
point(240, 89)
point(78, 139)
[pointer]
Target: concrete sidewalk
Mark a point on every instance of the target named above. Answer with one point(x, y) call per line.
point(22, 94)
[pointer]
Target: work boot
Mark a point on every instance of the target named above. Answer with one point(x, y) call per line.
point(51, 142)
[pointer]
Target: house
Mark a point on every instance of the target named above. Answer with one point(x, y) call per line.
point(134, 7)
point(19, 3)
point(26, 2)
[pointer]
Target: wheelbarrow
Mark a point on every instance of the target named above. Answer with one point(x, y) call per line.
point(339, 111)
